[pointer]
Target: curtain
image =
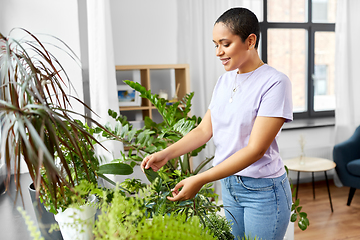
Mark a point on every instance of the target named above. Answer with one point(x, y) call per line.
point(347, 79)
point(347, 82)
point(195, 47)
point(102, 75)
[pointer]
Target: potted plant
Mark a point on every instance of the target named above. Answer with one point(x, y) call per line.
point(38, 124)
point(155, 137)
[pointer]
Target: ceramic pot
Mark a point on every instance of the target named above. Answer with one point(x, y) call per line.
point(77, 223)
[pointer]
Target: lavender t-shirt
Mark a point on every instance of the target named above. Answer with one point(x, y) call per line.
point(267, 93)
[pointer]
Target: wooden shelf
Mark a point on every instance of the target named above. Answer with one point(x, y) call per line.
point(181, 77)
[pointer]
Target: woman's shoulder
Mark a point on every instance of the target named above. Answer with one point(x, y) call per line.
point(271, 76)
point(273, 72)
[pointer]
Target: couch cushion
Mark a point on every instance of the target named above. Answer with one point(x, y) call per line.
point(354, 167)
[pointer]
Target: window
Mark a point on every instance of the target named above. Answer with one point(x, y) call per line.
point(298, 39)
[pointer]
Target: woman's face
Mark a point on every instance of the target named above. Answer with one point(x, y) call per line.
point(233, 53)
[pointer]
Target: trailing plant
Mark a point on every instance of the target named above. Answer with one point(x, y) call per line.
point(296, 209)
point(34, 232)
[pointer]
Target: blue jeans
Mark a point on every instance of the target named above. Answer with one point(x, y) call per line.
point(257, 206)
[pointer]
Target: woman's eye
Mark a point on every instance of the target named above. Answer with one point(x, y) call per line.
point(226, 45)
point(216, 46)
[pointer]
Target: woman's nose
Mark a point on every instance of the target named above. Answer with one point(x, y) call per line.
point(219, 51)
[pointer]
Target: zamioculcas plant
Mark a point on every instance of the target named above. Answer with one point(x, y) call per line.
point(37, 122)
point(155, 137)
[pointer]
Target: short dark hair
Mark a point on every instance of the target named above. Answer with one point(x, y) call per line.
point(241, 22)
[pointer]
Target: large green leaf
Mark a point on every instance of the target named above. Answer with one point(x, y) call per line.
point(115, 168)
point(151, 175)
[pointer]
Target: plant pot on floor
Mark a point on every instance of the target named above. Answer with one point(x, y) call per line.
point(77, 223)
point(44, 218)
point(289, 235)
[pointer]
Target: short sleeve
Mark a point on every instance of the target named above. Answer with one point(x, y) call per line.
point(277, 99)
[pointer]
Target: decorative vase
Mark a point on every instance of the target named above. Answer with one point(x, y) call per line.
point(77, 223)
point(44, 218)
point(302, 159)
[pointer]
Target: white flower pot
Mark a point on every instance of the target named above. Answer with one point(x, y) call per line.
point(289, 235)
point(77, 224)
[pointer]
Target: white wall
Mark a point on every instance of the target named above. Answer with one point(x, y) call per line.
point(144, 31)
point(57, 18)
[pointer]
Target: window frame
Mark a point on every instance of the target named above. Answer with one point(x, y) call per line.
point(311, 29)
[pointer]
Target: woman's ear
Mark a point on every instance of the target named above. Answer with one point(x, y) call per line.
point(251, 41)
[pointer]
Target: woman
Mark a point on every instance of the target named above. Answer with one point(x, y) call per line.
point(250, 103)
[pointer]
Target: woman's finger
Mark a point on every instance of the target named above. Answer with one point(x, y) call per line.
point(177, 195)
point(145, 162)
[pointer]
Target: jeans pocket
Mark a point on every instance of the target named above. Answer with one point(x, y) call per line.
point(287, 190)
point(256, 184)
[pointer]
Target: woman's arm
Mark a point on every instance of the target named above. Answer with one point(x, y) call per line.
point(194, 139)
point(263, 133)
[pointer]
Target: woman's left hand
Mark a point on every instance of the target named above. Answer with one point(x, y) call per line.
point(190, 187)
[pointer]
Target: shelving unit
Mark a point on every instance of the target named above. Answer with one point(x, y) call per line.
point(181, 76)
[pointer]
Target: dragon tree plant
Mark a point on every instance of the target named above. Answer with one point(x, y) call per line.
point(38, 124)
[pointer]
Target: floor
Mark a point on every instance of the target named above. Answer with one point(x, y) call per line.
point(343, 223)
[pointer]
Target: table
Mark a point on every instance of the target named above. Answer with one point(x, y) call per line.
point(311, 164)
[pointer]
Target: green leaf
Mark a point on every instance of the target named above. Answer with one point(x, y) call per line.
point(124, 131)
point(306, 221)
point(151, 149)
point(297, 202)
point(303, 214)
point(115, 168)
point(302, 224)
point(150, 174)
point(293, 217)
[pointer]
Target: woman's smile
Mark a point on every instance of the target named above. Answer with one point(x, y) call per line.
point(224, 61)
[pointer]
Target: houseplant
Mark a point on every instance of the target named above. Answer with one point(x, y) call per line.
point(38, 124)
point(155, 137)
point(124, 218)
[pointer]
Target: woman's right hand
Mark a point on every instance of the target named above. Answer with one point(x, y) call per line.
point(154, 161)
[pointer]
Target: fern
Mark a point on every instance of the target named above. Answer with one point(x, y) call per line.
point(219, 226)
point(173, 227)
